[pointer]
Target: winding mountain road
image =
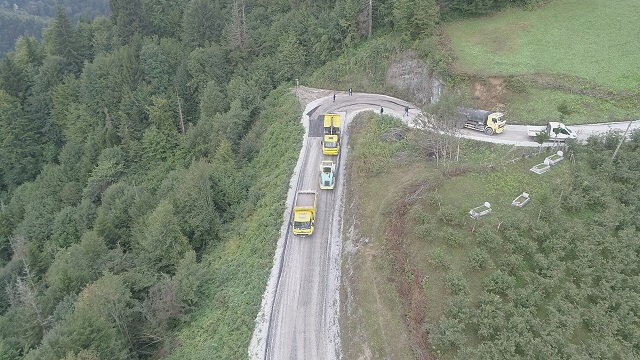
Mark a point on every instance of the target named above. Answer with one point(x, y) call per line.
point(299, 314)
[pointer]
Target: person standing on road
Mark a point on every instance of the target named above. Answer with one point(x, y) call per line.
point(406, 111)
point(381, 110)
point(350, 91)
point(334, 97)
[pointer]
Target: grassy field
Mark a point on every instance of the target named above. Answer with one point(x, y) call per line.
point(588, 39)
point(578, 53)
point(538, 106)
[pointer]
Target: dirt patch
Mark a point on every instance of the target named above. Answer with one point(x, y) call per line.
point(408, 281)
point(489, 93)
point(306, 94)
point(492, 92)
point(457, 171)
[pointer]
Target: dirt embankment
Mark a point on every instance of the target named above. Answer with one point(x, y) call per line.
point(408, 281)
point(306, 94)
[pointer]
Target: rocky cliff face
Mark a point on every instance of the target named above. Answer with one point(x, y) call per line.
point(411, 75)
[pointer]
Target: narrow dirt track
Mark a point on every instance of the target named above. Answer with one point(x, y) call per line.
point(299, 315)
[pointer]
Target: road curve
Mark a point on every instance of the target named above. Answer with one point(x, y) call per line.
point(298, 318)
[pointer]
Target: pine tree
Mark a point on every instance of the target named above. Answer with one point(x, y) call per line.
point(128, 17)
point(61, 39)
point(20, 156)
point(203, 22)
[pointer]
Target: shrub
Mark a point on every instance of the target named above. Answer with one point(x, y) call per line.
point(434, 199)
point(488, 238)
point(448, 335)
point(548, 266)
point(516, 85)
point(440, 258)
point(458, 308)
point(499, 282)
point(454, 238)
point(450, 216)
point(418, 214)
point(456, 283)
point(478, 259)
point(489, 317)
point(528, 297)
point(371, 155)
point(565, 109)
point(521, 245)
point(512, 264)
point(427, 231)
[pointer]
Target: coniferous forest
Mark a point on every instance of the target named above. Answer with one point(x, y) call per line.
point(28, 17)
point(144, 161)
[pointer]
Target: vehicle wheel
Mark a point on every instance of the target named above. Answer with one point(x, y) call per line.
point(488, 131)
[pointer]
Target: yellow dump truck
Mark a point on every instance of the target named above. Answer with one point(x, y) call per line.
point(304, 212)
point(331, 140)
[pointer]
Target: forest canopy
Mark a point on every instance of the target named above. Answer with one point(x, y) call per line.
point(138, 174)
point(28, 18)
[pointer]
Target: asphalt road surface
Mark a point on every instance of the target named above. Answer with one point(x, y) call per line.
point(299, 315)
point(300, 308)
point(517, 134)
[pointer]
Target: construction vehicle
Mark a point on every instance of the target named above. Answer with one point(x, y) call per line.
point(555, 130)
point(327, 175)
point(331, 140)
point(304, 212)
point(482, 120)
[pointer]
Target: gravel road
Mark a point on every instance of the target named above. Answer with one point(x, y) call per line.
point(299, 314)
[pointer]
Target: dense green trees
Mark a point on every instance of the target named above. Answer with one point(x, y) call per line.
point(76, 9)
point(121, 168)
point(128, 17)
point(99, 323)
point(457, 8)
point(134, 149)
point(17, 24)
point(61, 39)
point(203, 22)
point(20, 157)
point(22, 18)
point(561, 285)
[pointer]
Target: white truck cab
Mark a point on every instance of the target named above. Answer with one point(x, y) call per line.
point(557, 131)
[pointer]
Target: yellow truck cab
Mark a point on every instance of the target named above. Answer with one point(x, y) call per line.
point(482, 120)
point(304, 212)
point(331, 145)
point(331, 140)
